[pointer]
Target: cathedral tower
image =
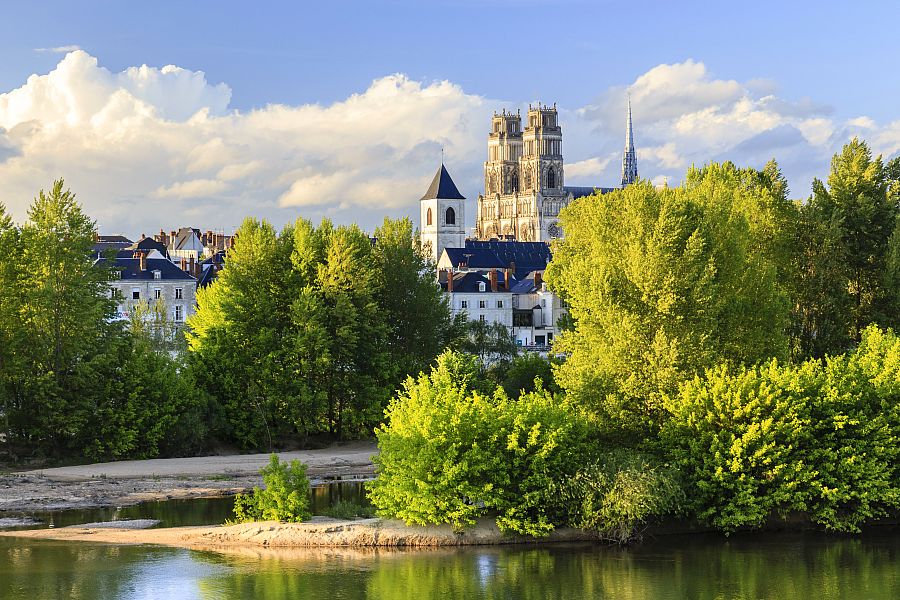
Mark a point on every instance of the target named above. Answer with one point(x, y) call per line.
point(443, 216)
point(629, 159)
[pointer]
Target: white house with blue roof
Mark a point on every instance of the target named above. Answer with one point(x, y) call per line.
point(149, 276)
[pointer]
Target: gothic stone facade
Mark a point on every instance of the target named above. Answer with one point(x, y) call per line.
point(523, 178)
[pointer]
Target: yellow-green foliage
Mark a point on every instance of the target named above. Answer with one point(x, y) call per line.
point(820, 437)
point(449, 455)
point(664, 283)
point(285, 497)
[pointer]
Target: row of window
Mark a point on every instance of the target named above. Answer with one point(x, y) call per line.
point(178, 312)
point(481, 304)
point(157, 293)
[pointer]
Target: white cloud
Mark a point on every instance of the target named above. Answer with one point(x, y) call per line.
point(195, 188)
point(147, 146)
point(159, 147)
point(59, 49)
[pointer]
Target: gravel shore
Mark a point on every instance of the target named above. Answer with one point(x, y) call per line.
point(132, 482)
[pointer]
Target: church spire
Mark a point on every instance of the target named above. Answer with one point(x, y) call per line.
point(629, 160)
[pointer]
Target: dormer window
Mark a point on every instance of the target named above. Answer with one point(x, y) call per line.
point(481, 286)
point(157, 274)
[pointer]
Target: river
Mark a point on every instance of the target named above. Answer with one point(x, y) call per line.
point(757, 566)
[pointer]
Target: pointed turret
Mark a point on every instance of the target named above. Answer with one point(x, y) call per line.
point(443, 217)
point(629, 160)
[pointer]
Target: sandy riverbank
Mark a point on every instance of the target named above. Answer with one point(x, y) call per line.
point(131, 482)
point(319, 533)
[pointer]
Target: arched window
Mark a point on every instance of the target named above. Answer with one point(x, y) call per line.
point(515, 183)
point(551, 178)
point(428, 217)
point(451, 216)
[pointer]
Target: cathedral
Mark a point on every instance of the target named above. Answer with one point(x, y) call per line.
point(524, 185)
point(524, 177)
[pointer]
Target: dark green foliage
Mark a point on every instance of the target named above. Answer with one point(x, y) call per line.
point(310, 331)
point(619, 492)
point(347, 509)
point(285, 497)
point(846, 253)
point(523, 373)
point(491, 342)
point(821, 438)
point(449, 455)
point(73, 383)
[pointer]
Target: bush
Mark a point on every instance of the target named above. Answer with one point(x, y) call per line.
point(285, 498)
point(821, 438)
point(618, 492)
point(448, 455)
point(347, 509)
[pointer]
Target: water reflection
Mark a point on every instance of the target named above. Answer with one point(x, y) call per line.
point(696, 567)
point(188, 511)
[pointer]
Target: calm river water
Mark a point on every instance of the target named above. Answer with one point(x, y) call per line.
point(789, 566)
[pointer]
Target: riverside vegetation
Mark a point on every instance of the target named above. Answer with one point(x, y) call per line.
point(728, 356)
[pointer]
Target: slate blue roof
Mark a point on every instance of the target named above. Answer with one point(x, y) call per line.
point(527, 256)
point(442, 186)
point(131, 269)
point(582, 191)
point(475, 258)
point(466, 282)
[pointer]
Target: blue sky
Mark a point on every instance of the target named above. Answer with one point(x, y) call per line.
point(782, 79)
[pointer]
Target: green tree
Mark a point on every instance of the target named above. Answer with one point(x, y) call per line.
point(859, 205)
point(240, 335)
point(11, 330)
point(663, 283)
point(65, 315)
point(416, 311)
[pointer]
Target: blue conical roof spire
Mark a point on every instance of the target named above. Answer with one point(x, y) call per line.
point(442, 186)
point(629, 160)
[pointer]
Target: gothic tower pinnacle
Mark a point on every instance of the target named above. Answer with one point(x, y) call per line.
point(629, 160)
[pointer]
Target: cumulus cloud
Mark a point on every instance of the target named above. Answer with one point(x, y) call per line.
point(155, 147)
point(685, 115)
point(146, 146)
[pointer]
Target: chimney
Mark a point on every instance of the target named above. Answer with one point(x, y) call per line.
point(143, 260)
point(143, 236)
point(538, 279)
point(506, 273)
point(183, 264)
point(492, 276)
point(193, 271)
point(450, 281)
point(172, 237)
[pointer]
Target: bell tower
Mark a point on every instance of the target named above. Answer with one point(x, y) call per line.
point(542, 172)
point(442, 216)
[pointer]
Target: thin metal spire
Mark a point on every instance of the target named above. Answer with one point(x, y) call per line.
point(629, 159)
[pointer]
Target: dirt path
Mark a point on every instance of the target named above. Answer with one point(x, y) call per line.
point(130, 482)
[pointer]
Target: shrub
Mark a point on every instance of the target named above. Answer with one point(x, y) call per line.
point(821, 438)
point(448, 455)
point(285, 497)
point(347, 509)
point(618, 492)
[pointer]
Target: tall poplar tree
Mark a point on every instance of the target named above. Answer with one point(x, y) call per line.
point(663, 283)
point(846, 263)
